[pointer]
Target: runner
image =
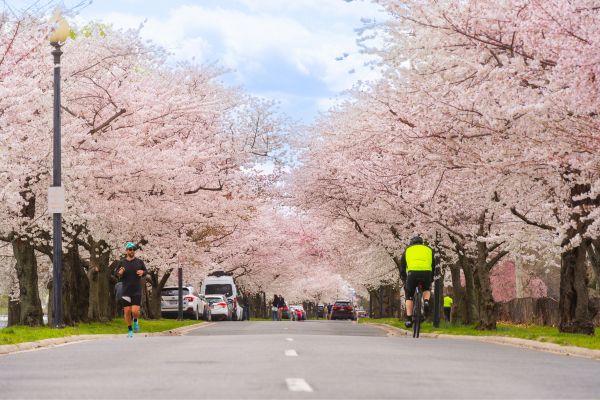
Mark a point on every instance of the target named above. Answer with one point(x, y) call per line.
point(130, 271)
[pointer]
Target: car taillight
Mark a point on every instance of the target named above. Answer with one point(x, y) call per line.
point(349, 308)
point(222, 304)
point(336, 307)
point(188, 298)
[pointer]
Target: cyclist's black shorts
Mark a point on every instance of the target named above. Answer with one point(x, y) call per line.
point(413, 279)
point(136, 300)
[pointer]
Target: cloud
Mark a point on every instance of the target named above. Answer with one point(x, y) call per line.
point(297, 45)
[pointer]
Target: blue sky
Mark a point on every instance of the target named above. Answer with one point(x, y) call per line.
point(286, 50)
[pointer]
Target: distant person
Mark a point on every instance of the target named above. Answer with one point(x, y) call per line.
point(416, 267)
point(275, 307)
point(130, 270)
point(447, 307)
point(281, 305)
point(329, 308)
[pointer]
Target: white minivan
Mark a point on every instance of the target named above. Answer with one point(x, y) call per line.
point(220, 282)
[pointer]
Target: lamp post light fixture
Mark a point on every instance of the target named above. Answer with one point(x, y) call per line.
point(58, 36)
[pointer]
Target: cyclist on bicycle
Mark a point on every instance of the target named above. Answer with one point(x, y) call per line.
point(416, 266)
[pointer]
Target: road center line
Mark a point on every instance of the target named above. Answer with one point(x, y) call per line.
point(289, 339)
point(298, 385)
point(291, 353)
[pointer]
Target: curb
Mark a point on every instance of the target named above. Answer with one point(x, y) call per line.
point(61, 341)
point(502, 340)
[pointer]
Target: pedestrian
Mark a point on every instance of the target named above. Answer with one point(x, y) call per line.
point(280, 308)
point(275, 307)
point(447, 306)
point(130, 271)
point(329, 307)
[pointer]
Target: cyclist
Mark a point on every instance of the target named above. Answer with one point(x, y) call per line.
point(130, 270)
point(416, 266)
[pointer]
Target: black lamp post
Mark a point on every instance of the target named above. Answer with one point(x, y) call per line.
point(56, 197)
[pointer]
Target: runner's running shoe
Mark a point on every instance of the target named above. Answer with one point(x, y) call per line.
point(129, 334)
point(136, 326)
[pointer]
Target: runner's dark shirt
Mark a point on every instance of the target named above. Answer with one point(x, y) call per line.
point(131, 282)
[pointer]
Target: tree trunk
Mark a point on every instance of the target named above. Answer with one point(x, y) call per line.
point(574, 300)
point(14, 312)
point(31, 313)
point(458, 293)
point(75, 289)
point(101, 306)
point(153, 296)
point(487, 307)
point(472, 313)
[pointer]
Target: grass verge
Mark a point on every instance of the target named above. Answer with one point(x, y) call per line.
point(532, 332)
point(20, 334)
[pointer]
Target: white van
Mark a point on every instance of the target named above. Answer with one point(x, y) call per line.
point(220, 282)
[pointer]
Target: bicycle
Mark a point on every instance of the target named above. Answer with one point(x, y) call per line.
point(417, 310)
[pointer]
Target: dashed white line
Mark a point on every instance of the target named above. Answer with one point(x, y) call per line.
point(289, 339)
point(298, 385)
point(291, 353)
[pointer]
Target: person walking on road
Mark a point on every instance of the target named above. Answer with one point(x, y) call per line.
point(416, 267)
point(275, 307)
point(280, 307)
point(131, 269)
point(447, 307)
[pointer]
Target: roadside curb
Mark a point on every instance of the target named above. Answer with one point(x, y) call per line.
point(502, 340)
point(55, 342)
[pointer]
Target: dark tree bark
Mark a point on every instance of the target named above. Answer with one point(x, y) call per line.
point(153, 296)
point(75, 289)
point(487, 307)
point(101, 293)
point(14, 311)
point(31, 313)
point(575, 316)
point(459, 311)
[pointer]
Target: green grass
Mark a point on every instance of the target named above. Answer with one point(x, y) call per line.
point(531, 332)
point(20, 334)
point(3, 304)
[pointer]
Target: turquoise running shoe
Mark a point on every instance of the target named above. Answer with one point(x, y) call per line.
point(136, 326)
point(129, 334)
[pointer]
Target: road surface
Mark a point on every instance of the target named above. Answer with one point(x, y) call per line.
point(293, 360)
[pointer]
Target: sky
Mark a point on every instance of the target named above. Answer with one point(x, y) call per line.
point(301, 53)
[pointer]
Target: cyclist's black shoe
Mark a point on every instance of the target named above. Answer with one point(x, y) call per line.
point(409, 322)
point(426, 306)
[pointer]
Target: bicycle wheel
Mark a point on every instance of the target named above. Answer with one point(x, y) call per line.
point(417, 313)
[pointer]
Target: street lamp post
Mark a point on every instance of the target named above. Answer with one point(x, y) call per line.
point(56, 193)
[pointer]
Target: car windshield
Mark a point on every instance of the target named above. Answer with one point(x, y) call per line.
point(174, 292)
point(224, 289)
point(213, 300)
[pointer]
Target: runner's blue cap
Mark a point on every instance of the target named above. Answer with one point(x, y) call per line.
point(130, 245)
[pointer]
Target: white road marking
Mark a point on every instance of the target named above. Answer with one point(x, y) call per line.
point(289, 339)
point(291, 353)
point(285, 329)
point(298, 385)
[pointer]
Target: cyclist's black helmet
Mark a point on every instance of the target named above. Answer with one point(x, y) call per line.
point(416, 240)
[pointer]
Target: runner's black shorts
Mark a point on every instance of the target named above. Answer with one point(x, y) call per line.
point(136, 300)
point(413, 279)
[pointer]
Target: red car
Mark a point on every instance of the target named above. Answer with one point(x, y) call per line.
point(343, 309)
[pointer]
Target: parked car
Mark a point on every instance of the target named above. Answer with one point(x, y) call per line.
point(222, 283)
point(343, 309)
point(219, 307)
point(194, 305)
point(298, 313)
point(360, 313)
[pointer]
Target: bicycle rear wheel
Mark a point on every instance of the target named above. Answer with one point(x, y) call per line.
point(417, 313)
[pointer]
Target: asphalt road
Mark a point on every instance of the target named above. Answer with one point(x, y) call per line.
point(293, 360)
